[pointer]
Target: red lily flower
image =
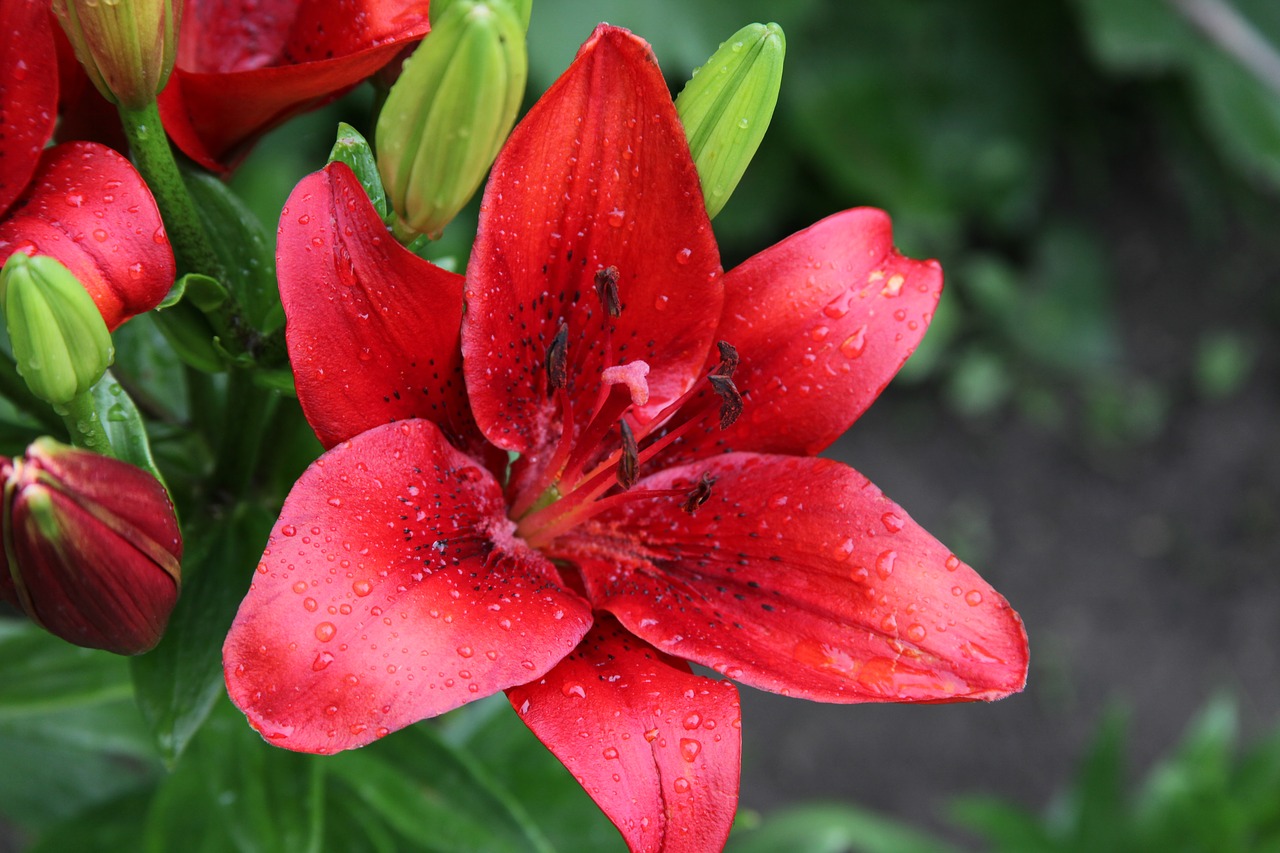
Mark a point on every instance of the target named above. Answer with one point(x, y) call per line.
point(242, 71)
point(644, 523)
point(28, 92)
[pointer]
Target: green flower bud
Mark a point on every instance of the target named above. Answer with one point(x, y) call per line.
point(449, 113)
point(127, 47)
point(60, 342)
point(726, 107)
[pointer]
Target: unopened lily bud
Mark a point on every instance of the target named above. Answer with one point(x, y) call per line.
point(127, 47)
point(60, 342)
point(450, 111)
point(92, 547)
point(727, 105)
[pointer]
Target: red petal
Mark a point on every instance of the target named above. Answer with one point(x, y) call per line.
point(658, 748)
point(391, 590)
point(800, 577)
point(91, 210)
point(822, 321)
point(357, 361)
point(28, 92)
point(240, 73)
point(597, 175)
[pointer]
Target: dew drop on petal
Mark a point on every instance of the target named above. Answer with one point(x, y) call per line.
point(973, 598)
point(325, 631)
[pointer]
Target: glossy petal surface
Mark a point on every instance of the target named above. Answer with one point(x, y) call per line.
point(822, 321)
point(89, 208)
point(598, 175)
point(391, 590)
point(244, 70)
point(372, 329)
point(87, 583)
point(655, 746)
point(798, 576)
point(28, 92)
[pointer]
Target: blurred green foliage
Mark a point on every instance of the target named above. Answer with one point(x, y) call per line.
point(1206, 796)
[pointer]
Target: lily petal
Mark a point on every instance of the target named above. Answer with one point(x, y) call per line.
point(240, 73)
point(598, 175)
point(89, 208)
point(28, 92)
point(821, 321)
point(357, 362)
point(391, 590)
point(799, 577)
point(658, 748)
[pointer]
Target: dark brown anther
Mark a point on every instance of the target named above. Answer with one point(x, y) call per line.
point(558, 360)
point(607, 290)
point(699, 495)
point(629, 464)
point(728, 358)
point(730, 399)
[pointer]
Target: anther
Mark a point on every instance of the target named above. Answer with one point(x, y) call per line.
point(728, 359)
point(699, 494)
point(628, 465)
point(558, 359)
point(730, 399)
point(607, 290)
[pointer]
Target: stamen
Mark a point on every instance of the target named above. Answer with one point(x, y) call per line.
point(628, 465)
point(607, 290)
point(558, 360)
point(700, 494)
point(730, 399)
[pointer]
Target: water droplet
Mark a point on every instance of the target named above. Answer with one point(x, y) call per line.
point(884, 563)
point(288, 530)
point(465, 651)
point(692, 721)
point(952, 563)
point(892, 522)
point(310, 605)
point(689, 748)
point(973, 598)
point(820, 333)
point(335, 502)
point(322, 660)
point(683, 256)
point(661, 302)
point(325, 631)
point(100, 235)
point(853, 346)
point(681, 785)
point(617, 217)
point(300, 587)
point(916, 632)
point(362, 588)
point(610, 753)
point(893, 286)
point(651, 735)
point(572, 688)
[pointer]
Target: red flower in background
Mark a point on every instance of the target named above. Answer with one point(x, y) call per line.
point(655, 515)
point(245, 68)
point(79, 202)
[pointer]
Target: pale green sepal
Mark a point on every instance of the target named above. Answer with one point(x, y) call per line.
point(354, 150)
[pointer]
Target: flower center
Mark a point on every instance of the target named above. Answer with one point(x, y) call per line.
point(596, 462)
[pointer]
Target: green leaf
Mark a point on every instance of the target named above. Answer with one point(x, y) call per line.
point(493, 734)
point(69, 731)
point(124, 426)
point(430, 790)
point(179, 681)
point(834, 829)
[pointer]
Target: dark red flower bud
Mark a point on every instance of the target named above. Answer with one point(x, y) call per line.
point(91, 547)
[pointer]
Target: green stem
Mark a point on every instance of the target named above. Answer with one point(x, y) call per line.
point(14, 388)
point(84, 424)
point(246, 413)
point(154, 158)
